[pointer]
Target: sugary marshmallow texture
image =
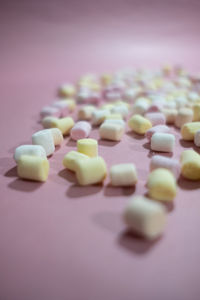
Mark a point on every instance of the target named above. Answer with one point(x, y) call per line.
point(70, 159)
point(88, 147)
point(190, 165)
point(80, 130)
point(139, 124)
point(45, 139)
point(123, 175)
point(188, 130)
point(162, 142)
point(34, 150)
point(145, 217)
point(111, 131)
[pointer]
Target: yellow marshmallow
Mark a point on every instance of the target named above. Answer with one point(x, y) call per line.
point(106, 78)
point(188, 130)
point(108, 106)
point(67, 90)
point(91, 171)
point(170, 114)
point(190, 165)
point(88, 147)
point(114, 117)
point(33, 168)
point(64, 124)
point(161, 185)
point(196, 111)
point(120, 102)
point(70, 159)
point(139, 124)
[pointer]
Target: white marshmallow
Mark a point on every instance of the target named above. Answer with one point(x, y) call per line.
point(145, 217)
point(123, 175)
point(57, 136)
point(34, 150)
point(140, 107)
point(47, 121)
point(111, 131)
point(121, 109)
point(45, 139)
point(98, 116)
point(162, 142)
point(159, 161)
point(115, 121)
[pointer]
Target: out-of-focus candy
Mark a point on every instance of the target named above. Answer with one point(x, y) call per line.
point(80, 130)
point(190, 165)
point(155, 129)
point(139, 124)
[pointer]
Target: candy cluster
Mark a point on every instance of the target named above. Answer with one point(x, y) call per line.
point(149, 103)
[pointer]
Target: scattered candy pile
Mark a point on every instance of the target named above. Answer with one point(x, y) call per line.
point(149, 100)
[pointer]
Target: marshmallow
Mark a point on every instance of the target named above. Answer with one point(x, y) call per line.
point(57, 136)
point(161, 185)
point(108, 106)
point(162, 142)
point(66, 90)
point(156, 118)
point(196, 112)
point(34, 150)
point(139, 124)
point(98, 116)
point(33, 168)
point(85, 112)
point(156, 107)
point(197, 138)
point(155, 129)
point(70, 159)
point(88, 147)
point(123, 175)
point(47, 121)
point(64, 124)
point(113, 121)
point(70, 103)
point(45, 139)
point(145, 217)
point(111, 131)
point(90, 171)
point(190, 165)
point(50, 111)
point(121, 110)
point(185, 115)
point(140, 108)
point(114, 117)
point(106, 79)
point(172, 165)
point(62, 106)
point(188, 130)
point(80, 130)
point(170, 115)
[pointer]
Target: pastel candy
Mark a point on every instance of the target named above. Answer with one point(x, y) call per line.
point(57, 136)
point(71, 103)
point(156, 118)
point(121, 110)
point(140, 108)
point(123, 174)
point(172, 165)
point(47, 121)
point(85, 112)
point(170, 115)
point(34, 150)
point(190, 165)
point(91, 171)
point(197, 138)
point(33, 168)
point(113, 116)
point(162, 142)
point(88, 147)
point(70, 159)
point(185, 115)
point(196, 112)
point(161, 185)
point(98, 116)
point(45, 139)
point(62, 106)
point(66, 90)
point(145, 217)
point(50, 111)
point(139, 124)
point(155, 107)
point(155, 129)
point(188, 130)
point(80, 130)
point(64, 124)
point(111, 131)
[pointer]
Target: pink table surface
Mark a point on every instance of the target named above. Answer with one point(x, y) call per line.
point(61, 241)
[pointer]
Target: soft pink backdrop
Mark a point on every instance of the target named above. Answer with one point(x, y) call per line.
point(60, 241)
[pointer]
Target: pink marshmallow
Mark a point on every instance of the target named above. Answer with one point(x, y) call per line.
point(155, 108)
point(63, 107)
point(156, 118)
point(50, 111)
point(172, 165)
point(157, 128)
point(80, 130)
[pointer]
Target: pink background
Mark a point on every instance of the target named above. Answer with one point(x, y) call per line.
point(61, 241)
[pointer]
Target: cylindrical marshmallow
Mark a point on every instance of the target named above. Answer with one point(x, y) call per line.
point(190, 165)
point(145, 217)
point(111, 131)
point(64, 124)
point(98, 116)
point(170, 115)
point(156, 118)
point(140, 108)
point(121, 109)
point(66, 90)
point(33, 168)
point(70, 159)
point(62, 106)
point(88, 147)
point(163, 142)
point(139, 124)
point(91, 171)
point(50, 111)
point(185, 115)
point(80, 130)
point(45, 139)
point(155, 129)
point(34, 150)
point(188, 130)
point(47, 121)
point(57, 136)
point(123, 174)
point(172, 165)
point(85, 112)
point(197, 138)
point(161, 185)
point(196, 112)
point(113, 121)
